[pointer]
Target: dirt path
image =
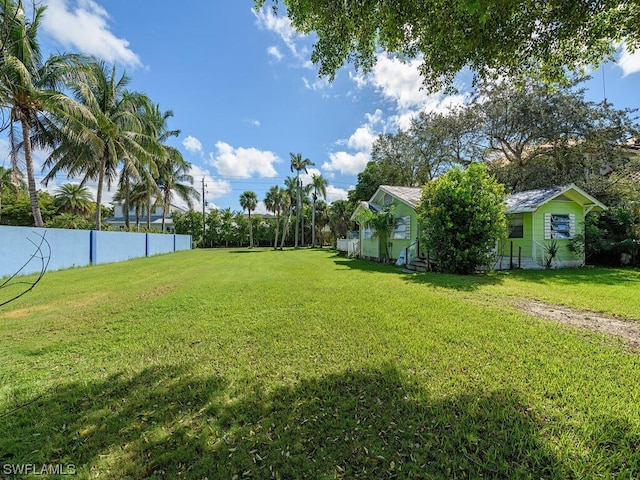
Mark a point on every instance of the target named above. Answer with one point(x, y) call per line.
point(626, 329)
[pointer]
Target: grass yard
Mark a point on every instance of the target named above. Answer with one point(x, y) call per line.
point(304, 364)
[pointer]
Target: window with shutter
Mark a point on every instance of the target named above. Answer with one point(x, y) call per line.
point(402, 228)
point(559, 226)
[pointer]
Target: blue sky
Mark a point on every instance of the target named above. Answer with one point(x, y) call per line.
point(244, 93)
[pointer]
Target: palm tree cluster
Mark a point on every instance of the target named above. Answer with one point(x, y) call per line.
point(80, 111)
point(294, 198)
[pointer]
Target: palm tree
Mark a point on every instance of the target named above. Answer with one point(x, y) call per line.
point(118, 134)
point(274, 202)
point(289, 192)
point(298, 164)
point(340, 217)
point(74, 199)
point(31, 89)
point(249, 202)
point(319, 185)
point(70, 222)
point(173, 177)
point(322, 219)
point(172, 174)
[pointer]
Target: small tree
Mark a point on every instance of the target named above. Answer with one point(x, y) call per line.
point(382, 224)
point(462, 217)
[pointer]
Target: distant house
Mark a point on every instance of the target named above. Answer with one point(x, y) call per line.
point(536, 217)
point(117, 222)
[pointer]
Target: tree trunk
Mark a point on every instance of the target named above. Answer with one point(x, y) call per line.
point(149, 213)
point(275, 242)
point(127, 200)
point(297, 208)
point(250, 230)
point(28, 159)
point(103, 161)
point(285, 230)
point(313, 223)
point(165, 203)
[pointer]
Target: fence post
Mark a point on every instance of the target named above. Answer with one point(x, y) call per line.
point(93, 247)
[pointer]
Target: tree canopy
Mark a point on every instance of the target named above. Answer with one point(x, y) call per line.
point(530, 135)
point(508, 37)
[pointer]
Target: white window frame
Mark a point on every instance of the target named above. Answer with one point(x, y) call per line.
point(402, 228)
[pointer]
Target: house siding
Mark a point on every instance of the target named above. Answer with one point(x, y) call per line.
point(532, 245)
point(525, 243)
point(560, 208)
point(368, 246)
point(371, 248)
point(398, 245)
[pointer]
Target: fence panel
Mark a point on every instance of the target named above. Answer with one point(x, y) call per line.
point(79, 248)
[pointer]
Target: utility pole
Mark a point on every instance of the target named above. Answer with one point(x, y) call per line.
point(204, 221)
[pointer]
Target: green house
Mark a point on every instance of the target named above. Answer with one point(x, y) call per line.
point(541, 218)
point(405, 231)
point(537, 219)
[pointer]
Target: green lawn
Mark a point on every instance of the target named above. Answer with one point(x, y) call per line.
point(305, 364)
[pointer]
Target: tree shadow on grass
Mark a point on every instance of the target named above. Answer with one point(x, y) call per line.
point(365, 265)
point(356, 424)
point(372, 425)
point(465, 283)
point(441, 280)
point(124, 427)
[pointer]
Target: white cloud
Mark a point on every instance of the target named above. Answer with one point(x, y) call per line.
point(401, 83)
point(629, 62)
point(307, 178)
point(275, 53)
point(261, 209)
point(347, 163)
point(83, 25)
point(361, 141)
point(334, 193)
point(281, 25)
point(363, 138)
point(192, 144)
point(243, 162)
point(398, 81)
point(319, 84)
point(213, 188)
point(359, 79)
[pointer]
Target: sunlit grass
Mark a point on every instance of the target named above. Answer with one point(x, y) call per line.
point(305, 364)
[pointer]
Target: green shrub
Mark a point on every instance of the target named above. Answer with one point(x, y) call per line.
point(462, 217)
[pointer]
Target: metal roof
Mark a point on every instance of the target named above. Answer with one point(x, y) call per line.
point(531, 200)
point(409, 195)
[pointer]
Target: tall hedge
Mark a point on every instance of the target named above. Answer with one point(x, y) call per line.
point(462, 217)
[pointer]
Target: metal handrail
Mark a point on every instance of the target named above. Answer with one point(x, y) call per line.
point(408, 255)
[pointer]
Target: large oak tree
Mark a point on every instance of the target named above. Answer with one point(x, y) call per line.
point(504, 36)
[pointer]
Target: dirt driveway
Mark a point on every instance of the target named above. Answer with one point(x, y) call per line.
point(626, 329)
